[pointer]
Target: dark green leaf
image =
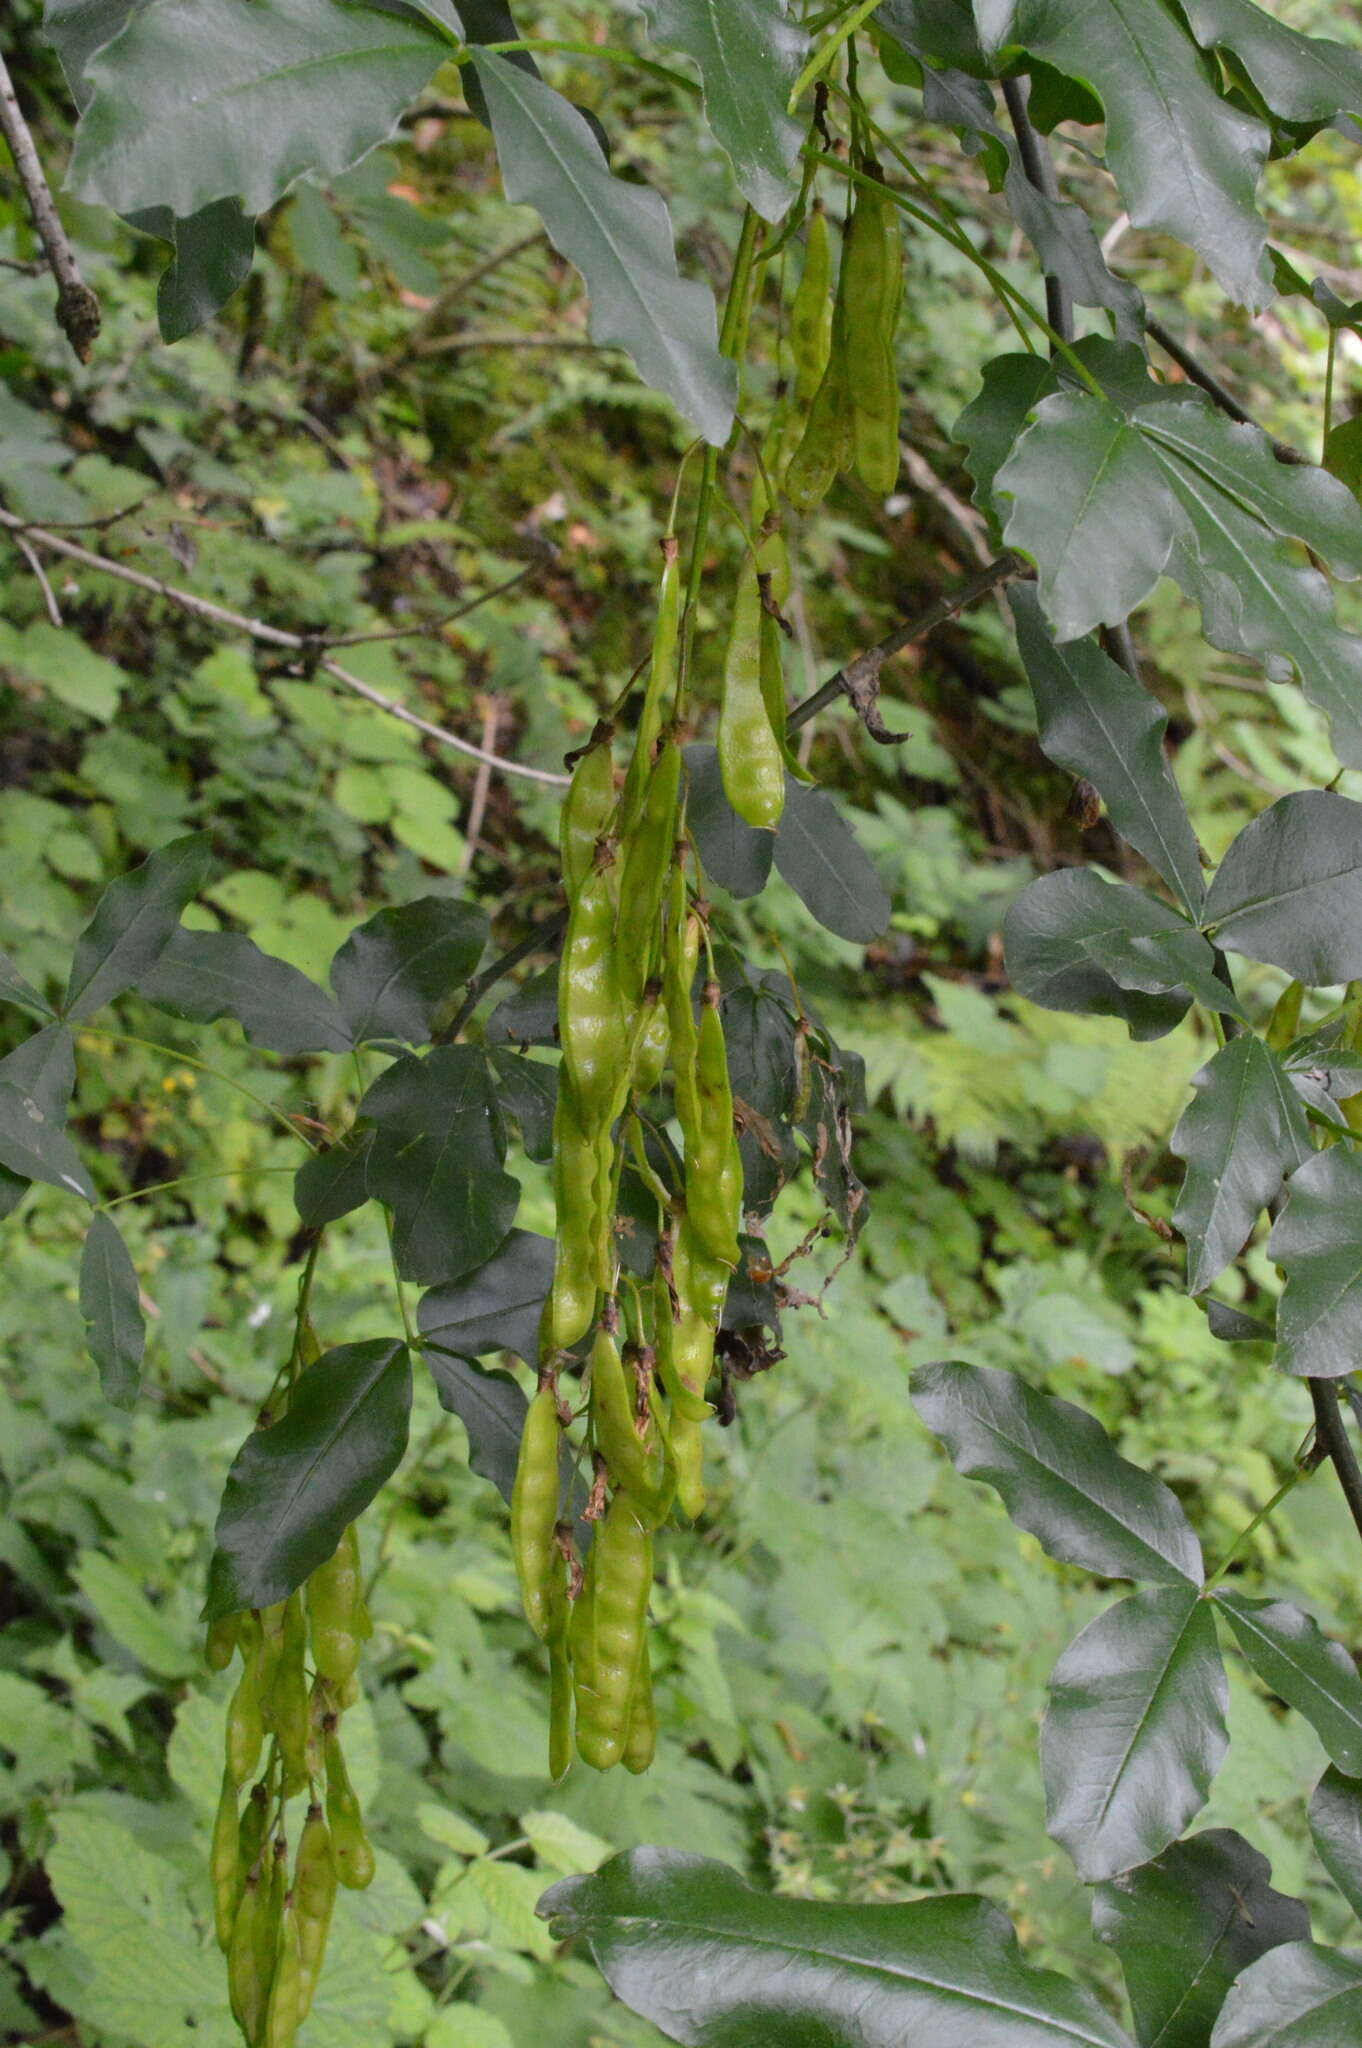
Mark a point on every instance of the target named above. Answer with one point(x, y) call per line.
point(940, 31)
point(1317, 1241)
point(1232, 1326)
point(620, 237)
point(748, 56)
point(436, 1160)
point(990, 425)
point(213, 253)
point(1288, 891)
point(1135, 1731)
point(714, 1964)
point(1066, 935)
point(1241, 1135)
point(34, 1145)
point(1336, 1824)
point(206, 975)
point(134, 921)
point(1059, 1474)
point(1186, 1925)
point(1302, 78)
point(201, 100)
point(1186, 161)
point(1343, 453)
point(111, 1308)
point(1108, 494)
point(15, 989)
point(77, 28)
point(1096, 721)
point(295, 1487)
point(334, 1183)
point(492, 1410)
point(529, 1015)
point(1296, 1996)
point(529, 1092)
point(43, 1067)
point(498, 1307)
point(396, 972)
point(733, 853)
point(818, 854)
point(1312, 1674)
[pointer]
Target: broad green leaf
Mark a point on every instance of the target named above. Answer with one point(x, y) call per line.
point(134, 921)
point(77, 28)
point(1135, 1731)
point(295, 1487)
point(16, 989)
point(202, 100)
point(941, 31)
point(1106, 950)
point(733, 853)
point(214, 251)
point(1059, 1474)
point(1232, 1326)
point(143, 1974)
point(156, 1639)
point(207, 975)
point(1108, 494)
point(528, 1091)
point(491, 1408)
point(1186, 1925)
point(714, 1964)
point(335, 1183)
point(34, 1144)
point(110, 1306)
point(1296, 1996)
point(1289, 891)
point(1242, 1134)
point(1186, 161)
point(498, 1307)
point(990, 425)
point(1336, 1824)
point(1096, 721)
point(395, 973)
point(820, 857)
point(1343, 453)
point(1312, 1674)
point(529, 1015)
point(748, 56)
point(1317, 1242)
point(435, 1161)
point(1301, 78)
point(620, 237)
point(43, 1068)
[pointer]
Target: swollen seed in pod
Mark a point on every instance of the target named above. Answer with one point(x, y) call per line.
point(350, 1845)
point(289, 1704)
point(253, 1826)
point(314, 1898)
point(750, 759)
point(714, 1182)
point(645, 870)
point(586, 813)
point(592, 1020)
point(534, 1508)
point(641, 1746)
point(247, 1991)
point(611, 1633)
point(219, 1644)
point(285, 2009)
point(224, 1861)
point(612, 1420)
point(333, 1596)
point(245, 1729)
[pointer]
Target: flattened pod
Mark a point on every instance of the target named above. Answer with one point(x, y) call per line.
point(641, 1745)
point(750, 758)
point(645, 869)
point(225, 1860)
point(591, 1013)
point(661, 685)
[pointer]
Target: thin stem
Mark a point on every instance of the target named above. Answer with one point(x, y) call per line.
point(856, 675)
point(1205, 381)
point(189, 1180)
point(268, 636)
point(1301, 1471)
point(823, 56)
point(1332, 1434)
point(1329, 365)
point(78, 313)
point(734, 325)
point(188, 1059)
point(1040, 172)
point(613, 53)
point(540, 940)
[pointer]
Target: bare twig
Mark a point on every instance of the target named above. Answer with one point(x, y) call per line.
point(860, 679)
point(543, 939)
point(452, 344)
point(1330, 1430)
point(268, 636)
point(462, 286)
point(77, 306)
point(432, 626)
point(1199, 375)
point(478, 805)
point(49, 595)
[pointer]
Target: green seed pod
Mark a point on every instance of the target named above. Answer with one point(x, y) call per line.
point(285, 2009)
point(750, 759)
point(641, 1746)
point(534, 1509)
point(350, 1845)
point(607, 1634)
point(290, 1710)
point(586, 813)
point(560, 1682)
point(714, 1179)
point(247, 1991)
point(592, 1020)
point(245, 1729)
point(661, 686)
point(219, 1644)
point(224, 1861)
point(645, 870)
point(334, 1592)
point(314, 1897)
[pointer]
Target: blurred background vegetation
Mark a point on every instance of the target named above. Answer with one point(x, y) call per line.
point(397, 414)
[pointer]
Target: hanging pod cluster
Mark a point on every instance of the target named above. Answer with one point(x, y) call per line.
point(283, 1740)
point(846, 379)
point(628, 1014)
